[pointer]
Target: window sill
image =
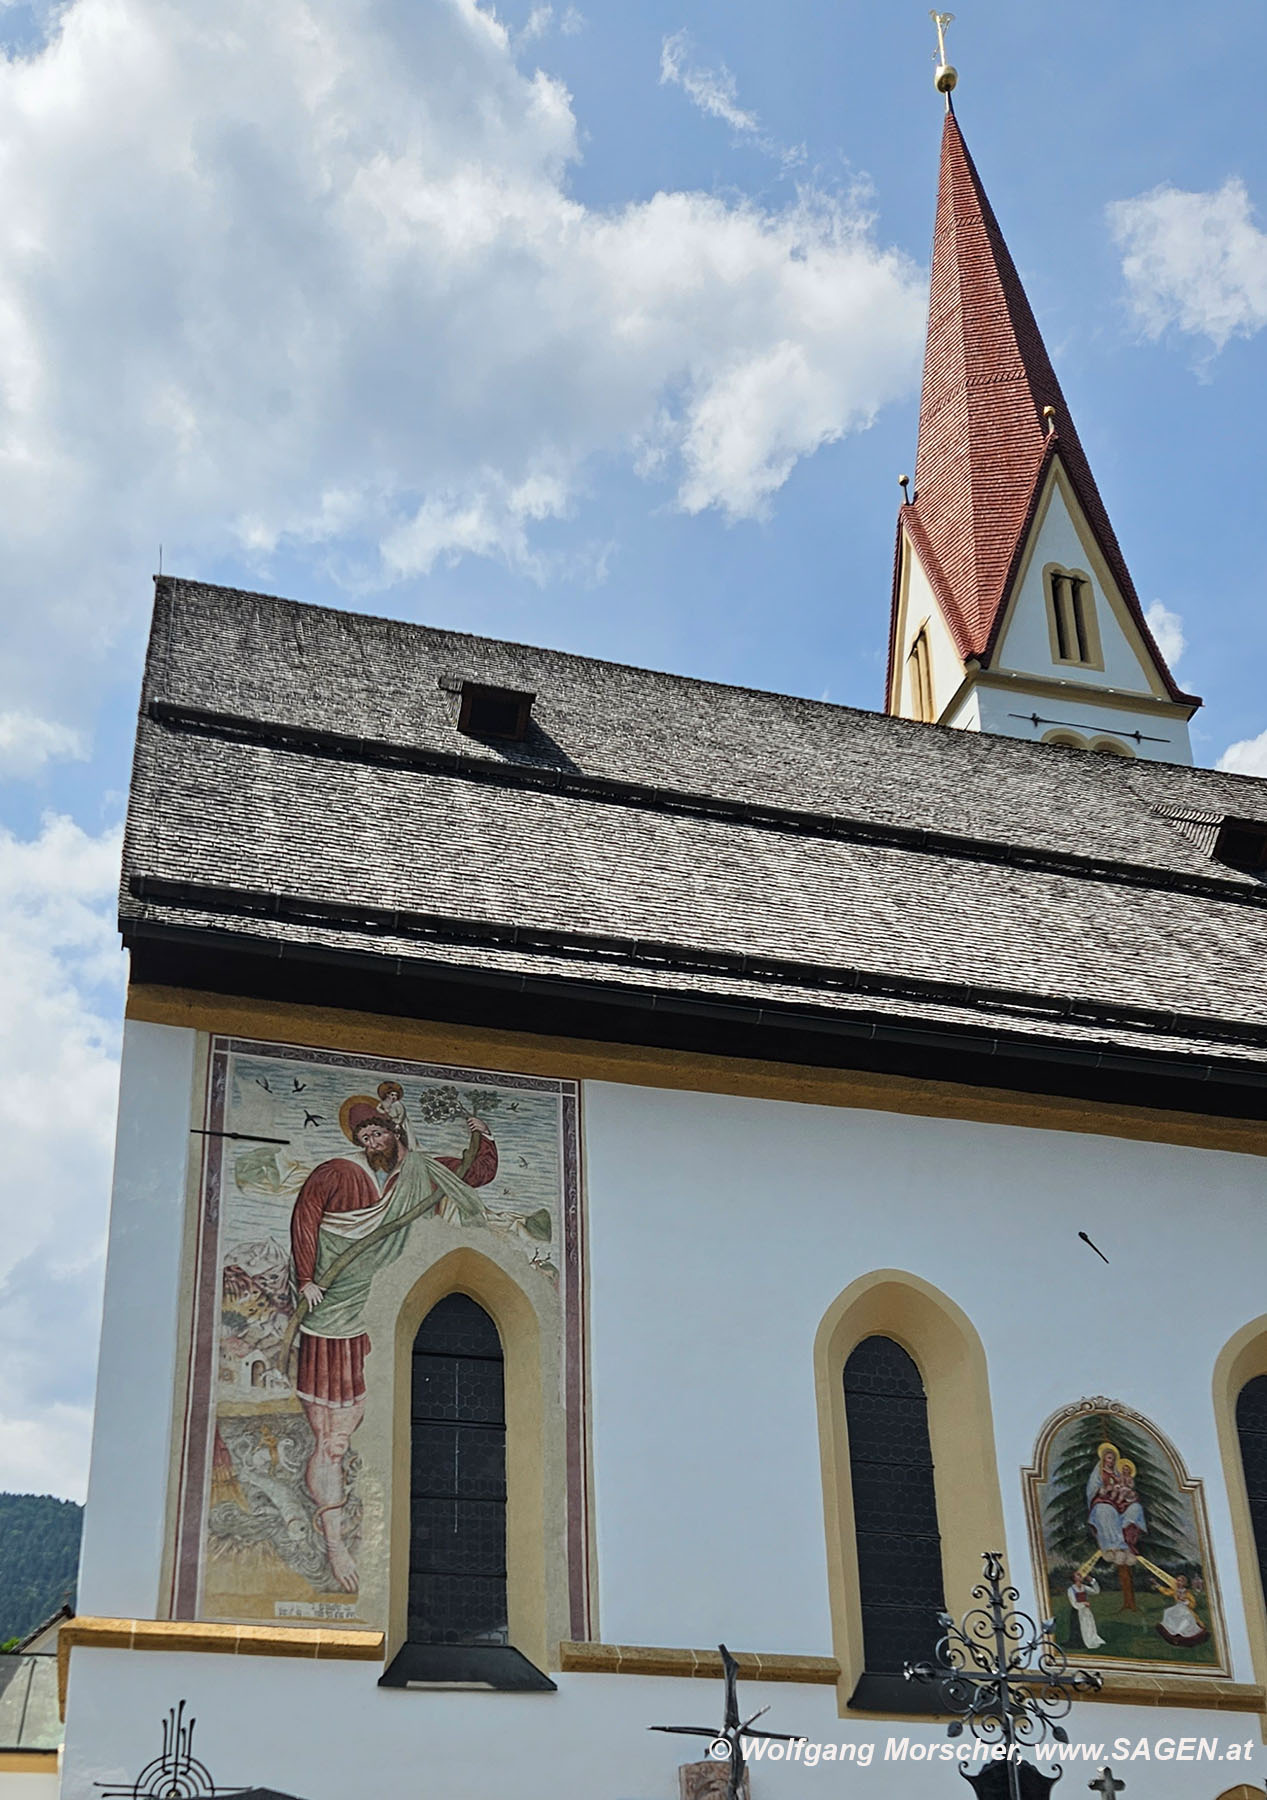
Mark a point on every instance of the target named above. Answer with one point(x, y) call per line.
point(895, 1697)
point(492, 1668)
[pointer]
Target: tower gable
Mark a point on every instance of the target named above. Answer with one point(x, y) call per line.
point(1067, 618)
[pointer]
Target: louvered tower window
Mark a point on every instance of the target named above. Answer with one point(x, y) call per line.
point(895, 1507)
point(457, 1546)
point(1251, 1429)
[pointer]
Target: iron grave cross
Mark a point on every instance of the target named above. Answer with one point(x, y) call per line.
point(1106, 1784)
point(726, 1745)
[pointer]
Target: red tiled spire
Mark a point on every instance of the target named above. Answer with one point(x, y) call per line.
point(983, 439)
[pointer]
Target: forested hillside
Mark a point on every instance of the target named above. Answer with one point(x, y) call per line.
point(39, 1558)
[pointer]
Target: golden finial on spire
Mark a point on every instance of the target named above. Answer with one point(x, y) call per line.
point(946, 76)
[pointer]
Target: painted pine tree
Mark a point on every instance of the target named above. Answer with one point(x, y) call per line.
point(1068, 1531)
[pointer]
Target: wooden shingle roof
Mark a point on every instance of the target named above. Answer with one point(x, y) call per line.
point(302, 792)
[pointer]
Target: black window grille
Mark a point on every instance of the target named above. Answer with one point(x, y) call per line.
point(894, 1506)
point(1251, 1429)
point(457, 1545)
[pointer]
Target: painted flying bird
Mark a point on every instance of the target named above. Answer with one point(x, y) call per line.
point(299, 1085)
point(311, 1119)
point(260, 1082)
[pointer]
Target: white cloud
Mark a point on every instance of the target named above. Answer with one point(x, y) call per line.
point(60, 982)
point(1167, 628)
point(539, 22)
point(311, 275)
point(1248, 757)
point(542, 20)
point(1195, 261)
point(27, 743)
point(712, 90)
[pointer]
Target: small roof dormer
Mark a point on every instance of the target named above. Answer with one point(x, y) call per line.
point(1013, 607)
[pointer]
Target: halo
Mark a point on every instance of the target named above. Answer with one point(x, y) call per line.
point(1100, 1448)
point(345, 1125)
point(1126, 1466)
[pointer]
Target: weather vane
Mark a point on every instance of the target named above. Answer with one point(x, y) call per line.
point(946, 76)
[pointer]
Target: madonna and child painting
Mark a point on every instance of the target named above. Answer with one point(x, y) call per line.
point(1120, 1545)
point(328, 1186)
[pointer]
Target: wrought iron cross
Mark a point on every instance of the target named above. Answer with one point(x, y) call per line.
point(1106, 1783)
point(1005, 1676)
point(726, 1745)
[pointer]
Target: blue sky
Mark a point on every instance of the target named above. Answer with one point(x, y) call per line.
point(590, 325)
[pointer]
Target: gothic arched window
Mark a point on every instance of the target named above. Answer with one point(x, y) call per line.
point(1251, 1430)
point(894, 1507)
point(457, 1498)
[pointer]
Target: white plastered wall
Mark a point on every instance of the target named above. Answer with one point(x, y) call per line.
point(1010, 712)
point(720, 1230)
point(323, 1731)
point(122, 1556)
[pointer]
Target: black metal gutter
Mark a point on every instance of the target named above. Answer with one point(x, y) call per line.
point(682, 959)
point(319, 975)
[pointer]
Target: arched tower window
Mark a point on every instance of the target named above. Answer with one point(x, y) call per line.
point(1251, 1431)
point(894, 1506)
point(457, 1503)
point(1071, 620)
point(920, 668)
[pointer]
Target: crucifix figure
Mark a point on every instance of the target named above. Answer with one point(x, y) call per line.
point(726, 1745)
point(1106, 1784)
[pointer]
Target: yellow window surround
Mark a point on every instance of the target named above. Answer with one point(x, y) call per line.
point(1072, 625)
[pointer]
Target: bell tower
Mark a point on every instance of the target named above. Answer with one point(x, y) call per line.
point(1013, 609)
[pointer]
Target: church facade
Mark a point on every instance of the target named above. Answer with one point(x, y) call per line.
point(611, 1165)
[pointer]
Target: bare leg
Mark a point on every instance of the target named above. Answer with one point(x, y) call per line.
point(332, 1426)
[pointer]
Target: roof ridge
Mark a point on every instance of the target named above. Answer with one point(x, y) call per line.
point(173, 582)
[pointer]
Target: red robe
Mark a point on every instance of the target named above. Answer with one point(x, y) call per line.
point(332, 1370)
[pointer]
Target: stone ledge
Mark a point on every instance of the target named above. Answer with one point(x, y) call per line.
point(640, 1659)
point(1208, 1694)
point(28, 1762)
point(320, 1642)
